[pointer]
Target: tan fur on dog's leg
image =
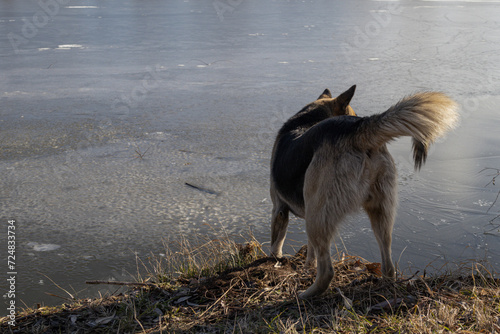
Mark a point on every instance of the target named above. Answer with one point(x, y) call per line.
point(381, 209)
point(322, 218)
point(319, 235)
point(382, 228)
point(279, 224)
point(311, 256)
point(324, 275)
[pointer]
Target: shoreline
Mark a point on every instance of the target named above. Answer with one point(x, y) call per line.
point(240, 289)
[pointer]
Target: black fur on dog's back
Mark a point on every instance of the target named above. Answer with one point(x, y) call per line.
point(294, 153)
point(295, 143)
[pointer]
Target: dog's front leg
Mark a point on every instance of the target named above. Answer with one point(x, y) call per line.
point(279, 224)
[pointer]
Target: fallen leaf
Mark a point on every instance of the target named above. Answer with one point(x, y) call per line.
point(374, 268)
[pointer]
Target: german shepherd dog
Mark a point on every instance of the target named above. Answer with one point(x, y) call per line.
point(327, 163)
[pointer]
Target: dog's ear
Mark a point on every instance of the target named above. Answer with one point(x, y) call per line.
point(326, 94)
point(345, 98)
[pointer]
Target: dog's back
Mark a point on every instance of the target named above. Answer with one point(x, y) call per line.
point(295, 146)
point(293, 156)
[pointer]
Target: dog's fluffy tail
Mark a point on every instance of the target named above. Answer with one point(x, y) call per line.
point(423, 116)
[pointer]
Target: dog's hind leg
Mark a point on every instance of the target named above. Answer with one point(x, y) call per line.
point(279, 224)
point(323, 213)
point(381, 209)
point(311, 255)
point(334, 186)
point(319, 245)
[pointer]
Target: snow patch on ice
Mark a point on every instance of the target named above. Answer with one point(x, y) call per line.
point(37, 247)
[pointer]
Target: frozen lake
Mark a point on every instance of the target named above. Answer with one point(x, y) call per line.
point(108, 108)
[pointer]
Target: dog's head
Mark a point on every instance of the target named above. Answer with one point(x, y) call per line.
point(338, 106)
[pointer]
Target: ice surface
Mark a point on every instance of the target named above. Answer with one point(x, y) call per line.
point(106, 112)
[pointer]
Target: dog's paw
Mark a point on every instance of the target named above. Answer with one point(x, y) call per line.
point(389, 278)
point(309, 293)
point(305, 295)
point(302, 294)
point(389, 274)
point(276, 256)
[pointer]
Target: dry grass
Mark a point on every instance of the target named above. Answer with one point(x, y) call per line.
point(219, 286)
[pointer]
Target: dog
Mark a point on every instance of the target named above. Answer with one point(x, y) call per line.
point(327, 163)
